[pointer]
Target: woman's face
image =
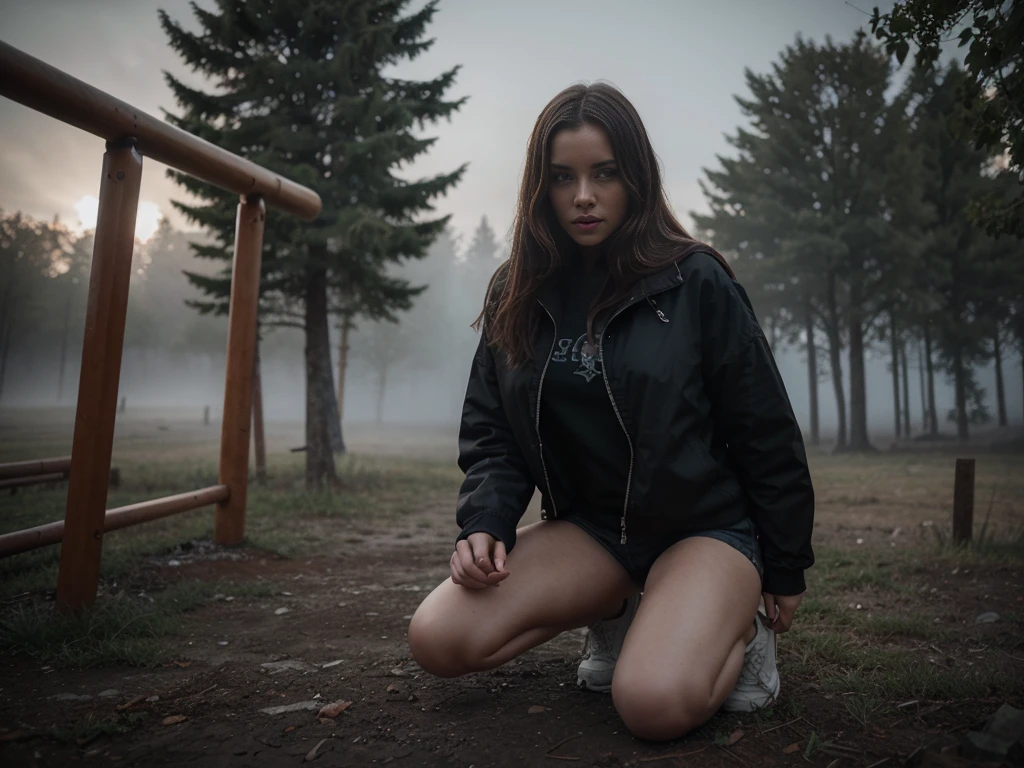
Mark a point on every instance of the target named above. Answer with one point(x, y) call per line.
point(584, 185)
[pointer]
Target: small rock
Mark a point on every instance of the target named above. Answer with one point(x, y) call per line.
point(109, 693)
point(153, 698)
point(174, 563)
point(71, 697)
point(330, 664)
point(293, 665)
point(299, 706)
point(399, 672)
point(1007, 723)
point(282, 611)
point(987, 618)
point(222, 642)
point(984, 746)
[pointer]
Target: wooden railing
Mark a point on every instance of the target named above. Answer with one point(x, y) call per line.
point(132, 135)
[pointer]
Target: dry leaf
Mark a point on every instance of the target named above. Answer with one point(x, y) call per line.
point(312, 754)
point(735, 736)
point(324, 720)
point(334, 709)
point(173, 719)
point(536, 709)
point(794, 747)
point(12, 735)
point(289, 729)
point(132, 703)
point(182, 664)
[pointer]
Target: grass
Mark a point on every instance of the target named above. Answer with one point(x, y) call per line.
point(120, 628)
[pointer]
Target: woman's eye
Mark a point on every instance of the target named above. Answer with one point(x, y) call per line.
point(561, 177)
point(607, 173)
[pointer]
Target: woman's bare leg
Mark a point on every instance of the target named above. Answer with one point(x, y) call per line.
point(684, 650)
point(559, 579)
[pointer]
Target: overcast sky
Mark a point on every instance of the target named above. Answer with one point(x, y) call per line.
point(679, 61)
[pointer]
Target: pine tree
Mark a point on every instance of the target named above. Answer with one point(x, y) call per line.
point(301, 90)
point(965, 268)
point(808, 206)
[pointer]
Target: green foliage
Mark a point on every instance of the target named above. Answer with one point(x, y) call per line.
point(302, 91)
point(993, 33)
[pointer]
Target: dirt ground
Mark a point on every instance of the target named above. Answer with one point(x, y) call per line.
point(333, 630)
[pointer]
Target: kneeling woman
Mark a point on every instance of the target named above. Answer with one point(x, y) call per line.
point(621, 370)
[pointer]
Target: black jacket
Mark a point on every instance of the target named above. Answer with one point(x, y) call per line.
point(712, 435)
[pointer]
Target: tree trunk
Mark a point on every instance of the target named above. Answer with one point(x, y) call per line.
point(346, 327)
point(960, 386)
point(906, 390)
point(64, 345)
point(1000, 391)
point(319, 457)
point(5, 346)
point(835, 350)
point(812, 375)
point(895, 374)
point(382, 383)
point(933, 421)
point(258, 435)
point(330, 402)
point(924, 392)
point(858, 388)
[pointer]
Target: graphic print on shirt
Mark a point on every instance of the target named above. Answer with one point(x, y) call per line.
point(582, 353)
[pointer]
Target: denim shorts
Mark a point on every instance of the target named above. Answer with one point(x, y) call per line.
point(640, 551)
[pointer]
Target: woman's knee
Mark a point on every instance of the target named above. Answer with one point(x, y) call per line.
point(436, 647)
point(661, 707)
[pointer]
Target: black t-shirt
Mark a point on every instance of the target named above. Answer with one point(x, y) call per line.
point(585, 447)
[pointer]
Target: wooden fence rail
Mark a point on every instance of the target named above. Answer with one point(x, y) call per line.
point(132, 135)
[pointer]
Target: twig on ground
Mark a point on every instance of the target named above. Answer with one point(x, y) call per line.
point(566, 740)
point(671, 754)
point(735, 757)
point(883, 761)
point(834, 763)
point(775, 728)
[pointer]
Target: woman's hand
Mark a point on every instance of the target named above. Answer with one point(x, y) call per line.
point(780, 610)
point(479, 562)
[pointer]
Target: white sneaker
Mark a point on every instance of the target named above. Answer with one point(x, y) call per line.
point(601, 651)
point(759, 684)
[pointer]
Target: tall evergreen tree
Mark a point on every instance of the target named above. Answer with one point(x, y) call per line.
point(811, 201)
point(963, 263)
point(300, 89)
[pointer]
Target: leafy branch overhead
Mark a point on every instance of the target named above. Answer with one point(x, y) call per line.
point(992, 31)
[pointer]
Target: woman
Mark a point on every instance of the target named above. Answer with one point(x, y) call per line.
point(622, 372)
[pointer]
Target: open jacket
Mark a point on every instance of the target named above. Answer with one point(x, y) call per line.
point(694, 385)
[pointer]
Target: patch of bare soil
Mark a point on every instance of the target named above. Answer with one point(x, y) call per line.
point(250, 674)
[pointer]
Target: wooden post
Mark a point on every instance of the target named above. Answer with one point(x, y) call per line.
point(963, 501)
point(102, 344)
point(259, 439)
point(229, 524)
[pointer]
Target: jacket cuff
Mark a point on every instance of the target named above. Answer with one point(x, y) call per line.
point(501, 529)
point(784, 581)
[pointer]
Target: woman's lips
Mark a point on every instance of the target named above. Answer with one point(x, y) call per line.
point(586, 226)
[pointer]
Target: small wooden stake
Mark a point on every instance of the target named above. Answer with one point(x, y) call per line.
point(963, 501)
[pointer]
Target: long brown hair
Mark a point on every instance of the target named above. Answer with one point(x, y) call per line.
point(649, 239)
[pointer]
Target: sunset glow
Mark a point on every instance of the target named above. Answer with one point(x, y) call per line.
point(146, 222)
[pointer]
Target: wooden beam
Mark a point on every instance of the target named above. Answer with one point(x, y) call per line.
point(20, 469)
point(229, 526)
point(53, 92)
point(102, 344)
point(122, 517)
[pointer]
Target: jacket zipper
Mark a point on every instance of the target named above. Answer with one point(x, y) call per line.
point(615, 407)
point(540, 390)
